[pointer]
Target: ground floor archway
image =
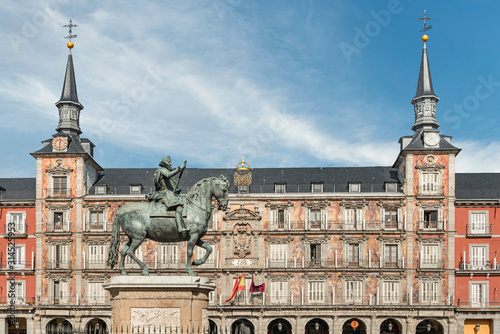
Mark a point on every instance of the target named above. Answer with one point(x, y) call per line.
point(317, 326)
point(96, 326)
point(354, 326)
point(390, 326)
point(429, 326)
point(59, 326)
point(212, 327)
point(242, 326)
point(279, 326)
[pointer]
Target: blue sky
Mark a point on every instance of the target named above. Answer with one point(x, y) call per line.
point(286, 84)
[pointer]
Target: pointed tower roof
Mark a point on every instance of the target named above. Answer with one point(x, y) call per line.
point(424, 86)
point(69, 93)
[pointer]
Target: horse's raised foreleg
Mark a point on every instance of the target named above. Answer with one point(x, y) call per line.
point(193, 239)
point(124, 254)
point(131, 252)
point(208, 251)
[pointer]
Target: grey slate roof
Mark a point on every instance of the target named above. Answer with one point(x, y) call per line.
point(69, 93)
point(477, 186)
point(17, 189)
point(417, 143)
point(372, 179)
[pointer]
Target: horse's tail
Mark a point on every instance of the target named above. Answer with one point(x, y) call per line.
point(115, 242)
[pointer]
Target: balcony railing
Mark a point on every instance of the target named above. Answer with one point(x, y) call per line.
point(479, 265)
point(431, 264)
point(478, 302)
point(58, 265)
point(58, 193)
point(19, 229)
point(92, 264)
point(96, 300)
point(479, 231)
point(430, 190)
point(431, 225)
point(96, 226)
point(17, 265)
point(18, 301)
point(60, 227)
point(346, 225)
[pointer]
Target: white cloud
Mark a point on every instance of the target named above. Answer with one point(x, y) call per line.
point(478, 156)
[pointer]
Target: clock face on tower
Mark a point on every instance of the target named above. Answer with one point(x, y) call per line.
point(431, 138)
point(59, 143)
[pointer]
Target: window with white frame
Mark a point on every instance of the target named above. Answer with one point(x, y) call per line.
point(100, 190)
point(277, 255)
point(60, 291)
point(353, 255)
point(96, 257)
point(478, 294)
point(429, 291)
point(18, 253)
point(315, 255)
point(431, 217)
point(317, 187)
point(96, 218)
point(19, 292)
point(391, 187)
point(16, 222)
point(390, 291)
point(391, 255)
point(316, 291)
point(279, 217)
point(135, 189)
point(430, 256)
point(353, 291)
point(58, 255)
point(279, 292)
point(315, 218)
point(58, 220)
point(430, 183)
point(478, 256)
point(60, 185)
point(200, 252)
point(280, 188)
point(169, 254)
point(391, 217)
point(355, 187)
point(478, 222)
point(95, 293)
point(353, 218)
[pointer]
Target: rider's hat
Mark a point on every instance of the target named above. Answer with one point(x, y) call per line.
point(166, 161)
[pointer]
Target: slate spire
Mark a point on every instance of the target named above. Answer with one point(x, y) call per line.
point(425, 100)
point(68, 105)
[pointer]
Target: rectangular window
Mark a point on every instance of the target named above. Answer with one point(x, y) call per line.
point(391, 187)
point(280, 188)
point(243, 189)
point(56, 292)
point(315, 218)
point(100, 190)
point(58, 220)
point(429, 291)
point(391, 292)
point(95, 293)
point(58, 255)
point(353, 255)
point(391, 218)
point(355, 187)
point(60, 292)
point(18, 222)
point(354, 291)
point(479, 257)
point(96, 256)
point(478, 294)
point(279, 292)
point(60, 185)
point(317, 187)
point(135, 189)
point(430, 256)
point(97, 219)
point(277, 255)
point(478, 223)
point(169, 254)
point(430, 184)
point(281, 219)
point(430, 219)
point(316, 291)
point(18, 256)
point(19, 295)
point(390, 256)
point(315, 250)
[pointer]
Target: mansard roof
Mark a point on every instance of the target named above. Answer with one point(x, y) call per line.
point(17, 189)
point(477, 186)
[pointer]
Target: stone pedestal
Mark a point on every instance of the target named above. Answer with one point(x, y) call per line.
point(159, 301)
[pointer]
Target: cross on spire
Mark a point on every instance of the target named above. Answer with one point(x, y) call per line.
point(425, 18)
point(70, 25)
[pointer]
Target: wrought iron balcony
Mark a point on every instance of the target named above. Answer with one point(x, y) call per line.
point(479, 265)
point(474, 230)
point(16, 265)
point(58, 193)
point(58, 265)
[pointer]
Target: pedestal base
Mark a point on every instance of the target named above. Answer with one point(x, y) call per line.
point(159, 301)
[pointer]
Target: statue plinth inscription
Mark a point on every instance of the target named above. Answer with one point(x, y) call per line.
point(159, 301)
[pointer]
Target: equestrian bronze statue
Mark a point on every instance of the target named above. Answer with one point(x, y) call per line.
point(157, 221)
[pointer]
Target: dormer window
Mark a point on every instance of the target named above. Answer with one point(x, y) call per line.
point(100, 190)
point(355, 187)
point(317, 187)
point(391, 187)
point(135, 189)
point(280, 188)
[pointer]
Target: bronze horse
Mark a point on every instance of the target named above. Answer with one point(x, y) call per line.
point(136, 223)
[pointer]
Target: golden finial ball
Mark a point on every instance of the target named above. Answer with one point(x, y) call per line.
point(425, 38)
point(70, 45)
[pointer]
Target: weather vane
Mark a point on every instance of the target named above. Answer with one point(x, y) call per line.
point(70, 36)
point(425, 18)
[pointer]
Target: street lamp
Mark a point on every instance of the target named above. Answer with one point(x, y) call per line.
point(477, 328)
point(97, 326)
point(316, 326)
point(17, 324)
point(429, 327)
point(280, 326)
point(390, 327)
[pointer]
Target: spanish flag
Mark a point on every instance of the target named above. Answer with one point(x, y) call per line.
point(239, 285)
